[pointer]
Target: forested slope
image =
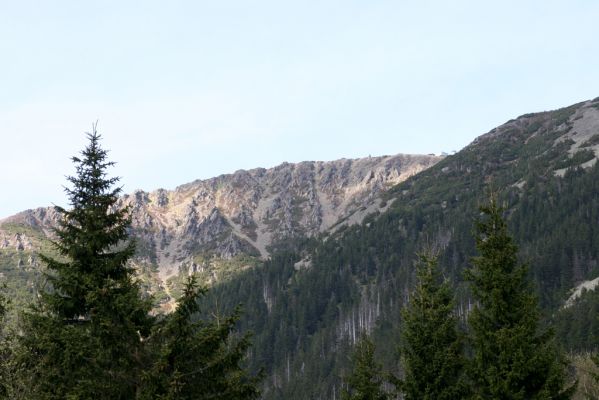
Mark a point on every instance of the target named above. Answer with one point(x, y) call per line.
point(307, 307)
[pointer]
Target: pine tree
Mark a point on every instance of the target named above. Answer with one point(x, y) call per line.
point(513, 358)
point(5, 354)
point(366, 380)
point(432, 347)
point(197, 359)
point(84, 338)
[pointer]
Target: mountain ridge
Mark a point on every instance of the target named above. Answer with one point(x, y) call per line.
point(308, 304)
point(315, 302)
point(248, 211)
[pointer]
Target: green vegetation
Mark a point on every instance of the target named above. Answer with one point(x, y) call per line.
point(209, 271)
point(366, 379)
point(513, 359)
point(305, 320)
point(586, 371)
point(21, 269)
point(577, 326)
point(576, 159)
point(91, 335)
point(5, 352)
point(83, 338)
point(592, 141)
point(432, 348)
point(196, 359)
point(358, 280)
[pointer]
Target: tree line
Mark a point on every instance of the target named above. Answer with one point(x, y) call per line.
point(91, 332)
point(504, 353)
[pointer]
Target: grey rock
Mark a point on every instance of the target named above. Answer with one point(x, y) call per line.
point(249, 212)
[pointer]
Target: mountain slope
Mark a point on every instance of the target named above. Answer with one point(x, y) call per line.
point(308, 307)
point(212, 226)
point(309, 302)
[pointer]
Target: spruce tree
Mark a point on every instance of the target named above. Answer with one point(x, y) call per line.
point(196, 359)
point(432, 347)
point(84, 338)
point(366, 379)
point(5, 351)
point(513, 358)
point(11, 376)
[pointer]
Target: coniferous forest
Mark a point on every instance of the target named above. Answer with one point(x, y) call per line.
point(457, 291)
point(307, 320)
point(315, 200)
point(91, 334)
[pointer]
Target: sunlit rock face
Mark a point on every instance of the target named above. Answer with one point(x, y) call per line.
point(248, 212)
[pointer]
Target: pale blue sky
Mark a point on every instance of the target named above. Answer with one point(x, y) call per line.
point(193, 89)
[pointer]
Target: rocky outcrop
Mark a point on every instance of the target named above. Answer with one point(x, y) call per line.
point(249, 212)
point(15, 241)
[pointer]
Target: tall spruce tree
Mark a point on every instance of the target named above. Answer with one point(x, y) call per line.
point(5, 351)
point(432, 346)
point(196, 359)
point(513, 359)
point(83, 339)
point(366, 379)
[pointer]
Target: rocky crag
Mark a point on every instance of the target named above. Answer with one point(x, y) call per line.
point(244, 213)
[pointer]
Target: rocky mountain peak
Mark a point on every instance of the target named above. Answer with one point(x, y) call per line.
point(249, 211)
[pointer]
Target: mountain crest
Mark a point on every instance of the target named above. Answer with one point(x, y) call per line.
point(249, 212)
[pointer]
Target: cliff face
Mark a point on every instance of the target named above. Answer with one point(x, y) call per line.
point(248, 212)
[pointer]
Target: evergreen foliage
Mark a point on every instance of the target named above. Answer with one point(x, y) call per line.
point(512, 359)
point(577, 325)
point(83, 338)
point(5, 357)
point(432, 347)
point(91, 335)
point(366, 380)
point(300, 315)
point(303, 317)
point(197, 359)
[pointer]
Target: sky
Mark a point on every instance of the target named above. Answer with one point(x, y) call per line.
point(186, 90)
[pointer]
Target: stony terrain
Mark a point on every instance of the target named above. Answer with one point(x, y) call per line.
point(244, 213)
